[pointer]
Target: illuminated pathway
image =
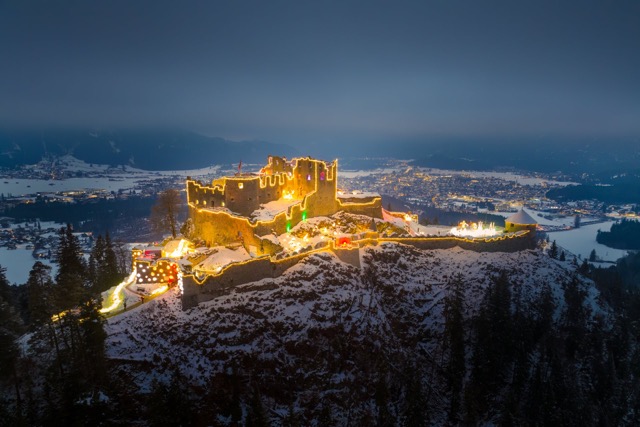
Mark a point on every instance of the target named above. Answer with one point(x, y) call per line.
point(115, 295)
point(116, 300)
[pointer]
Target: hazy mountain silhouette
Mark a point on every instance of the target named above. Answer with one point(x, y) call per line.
point(145, 149)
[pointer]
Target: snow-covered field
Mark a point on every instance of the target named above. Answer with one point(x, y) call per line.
point(103, 178)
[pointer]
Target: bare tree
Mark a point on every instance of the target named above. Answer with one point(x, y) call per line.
point(164, 214)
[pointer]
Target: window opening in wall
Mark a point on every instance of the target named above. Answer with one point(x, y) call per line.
point(309, 177)
point(240, 185)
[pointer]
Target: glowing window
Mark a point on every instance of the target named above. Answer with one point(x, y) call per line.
point(197, 202)
point(222, 203)
point(240, 185)
point(204, 202)
point(308, 177)
point(322, 176)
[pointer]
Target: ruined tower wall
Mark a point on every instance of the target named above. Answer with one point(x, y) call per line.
point(313, 181)
point(203, 196)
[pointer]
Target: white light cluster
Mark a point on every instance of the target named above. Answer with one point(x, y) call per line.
point(474, 230)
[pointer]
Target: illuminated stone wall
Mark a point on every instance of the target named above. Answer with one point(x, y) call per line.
point(209, 287)
point(197, 290)
point(216, 285)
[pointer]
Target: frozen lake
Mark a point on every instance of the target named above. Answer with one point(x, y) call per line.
point(23, 187)
point(18, 264)
point(581, 241)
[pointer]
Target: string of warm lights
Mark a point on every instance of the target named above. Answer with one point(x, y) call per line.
point(352, 244)
point(115, 295)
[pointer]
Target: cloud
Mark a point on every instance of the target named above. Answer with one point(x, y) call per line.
point(285, 70)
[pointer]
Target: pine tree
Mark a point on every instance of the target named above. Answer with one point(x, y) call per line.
point(493, 348)
point(454, 342)
point(110, 268)
point(92, 336)
point(562, 256)
point(43, 305)
point(553, 251)
point(381, 396)
point(592, 255)
point(416, 411)
point(256, 416)
point(96, 261)
point(71, 276)
point(40, 294)
point(584, 267)
point(10, 329)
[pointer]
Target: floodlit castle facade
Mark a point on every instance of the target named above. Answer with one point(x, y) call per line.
point(257, 212)
point(246, 208)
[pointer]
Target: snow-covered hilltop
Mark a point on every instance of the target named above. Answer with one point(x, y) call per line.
point(327, 340)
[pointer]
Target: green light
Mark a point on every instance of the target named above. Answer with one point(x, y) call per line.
point(304, 215)
point(288, 227)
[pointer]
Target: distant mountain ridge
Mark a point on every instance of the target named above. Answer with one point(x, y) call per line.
point(144, 149)
point(540, 155)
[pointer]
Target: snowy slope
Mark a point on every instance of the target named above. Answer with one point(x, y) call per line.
point(282, 325)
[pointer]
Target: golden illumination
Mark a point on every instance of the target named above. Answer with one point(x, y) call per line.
point(287, 195)
point(115, 295)
point(162, 289)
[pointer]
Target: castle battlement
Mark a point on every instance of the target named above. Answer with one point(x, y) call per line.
point(243, 207)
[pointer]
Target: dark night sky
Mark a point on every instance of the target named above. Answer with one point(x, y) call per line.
point(325, 72)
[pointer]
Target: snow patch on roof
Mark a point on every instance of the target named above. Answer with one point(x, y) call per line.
point(268, 211)
point(521, 217)
point(221, 257)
